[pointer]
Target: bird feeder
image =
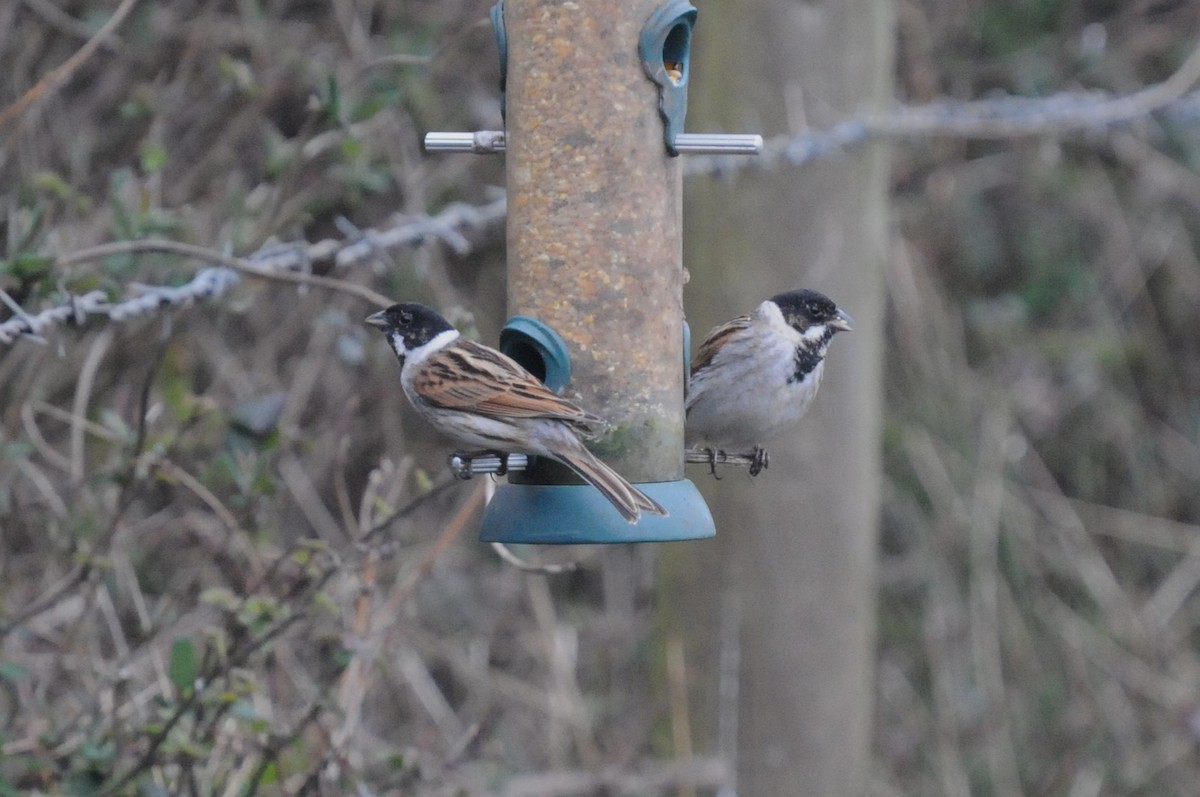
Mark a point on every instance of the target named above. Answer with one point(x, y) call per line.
point(594, 98)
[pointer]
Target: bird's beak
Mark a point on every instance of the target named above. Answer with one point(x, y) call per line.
point(841, 321)
point(376, 320)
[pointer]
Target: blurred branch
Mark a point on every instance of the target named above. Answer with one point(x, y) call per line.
point(60, 74)
point(280, 262)
point(729, 683)
point(997, 118)
point(86, 563)
point(453, 529)
point(546, 569)
point(211, 681)
point(242, 265)
point(681, 714)
point(1060, 113)
point(61, 20)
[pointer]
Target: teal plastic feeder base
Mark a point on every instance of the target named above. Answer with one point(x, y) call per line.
point(572, 514)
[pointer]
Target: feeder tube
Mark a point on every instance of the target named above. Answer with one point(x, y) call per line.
point(594, 235)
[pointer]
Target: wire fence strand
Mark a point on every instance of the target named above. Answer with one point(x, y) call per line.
point(1173, 101)
point(286, 261)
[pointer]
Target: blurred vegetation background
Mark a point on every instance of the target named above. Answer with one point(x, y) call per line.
point(231, 563)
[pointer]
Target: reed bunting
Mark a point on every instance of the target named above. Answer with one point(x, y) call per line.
point(757, 374)
point(480, 397)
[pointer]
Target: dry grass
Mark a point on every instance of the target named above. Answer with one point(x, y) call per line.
point(1038, 614)
point(219, 575)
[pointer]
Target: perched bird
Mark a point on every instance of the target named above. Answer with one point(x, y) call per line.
point(757, 374)
point(480, 397)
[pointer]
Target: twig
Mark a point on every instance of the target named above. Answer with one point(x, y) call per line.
point(61, 20)
point(406, 510)
point(352, 687)
point(508, 557)
point(1054, 115)
point(729, 687)
point(429, 693)
point(223, 513)
point(40, 444)
point(564, 696)
point(341, 488)
point(995, 118)
point(308, 500)
point(60, 74)
point(83, 391)
point(681, 715)
point(983, 603)
point(235, 659)
point(239, 264)
point(86, 566)
point(454, 528)
point(354, 680)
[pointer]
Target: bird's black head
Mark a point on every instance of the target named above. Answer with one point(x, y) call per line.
point(805, 309)
point(409, 325)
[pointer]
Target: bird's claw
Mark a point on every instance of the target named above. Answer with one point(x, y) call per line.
point(760, 460)
point(712, 462)
point(460, 465)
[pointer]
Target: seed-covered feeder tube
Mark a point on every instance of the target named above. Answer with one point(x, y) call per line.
point(595, 258)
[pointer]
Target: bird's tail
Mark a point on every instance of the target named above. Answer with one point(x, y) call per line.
point(629, 500)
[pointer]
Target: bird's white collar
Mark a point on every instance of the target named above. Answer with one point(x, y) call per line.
point(438, 342)
point(772, 316)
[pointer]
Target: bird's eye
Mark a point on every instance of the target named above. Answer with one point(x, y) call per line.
point(406, 317)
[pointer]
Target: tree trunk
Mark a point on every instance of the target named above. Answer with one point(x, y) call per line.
point(795, 549)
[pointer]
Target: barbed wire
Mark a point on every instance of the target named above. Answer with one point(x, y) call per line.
point(292, 260)
point(992, 118)
point(996, 117)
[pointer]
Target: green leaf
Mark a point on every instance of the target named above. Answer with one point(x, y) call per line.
point(7, 789)
point(351, 148)
point(270, 775)
point(221, 597)
point(154, 157)
point(53, 183)
point(331, 99)
point(184, 666)
point(27, 266)
point(238, 72)
point(99, 752)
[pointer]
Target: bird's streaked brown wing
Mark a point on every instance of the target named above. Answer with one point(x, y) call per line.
point(717, 339)
point(474, 378)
